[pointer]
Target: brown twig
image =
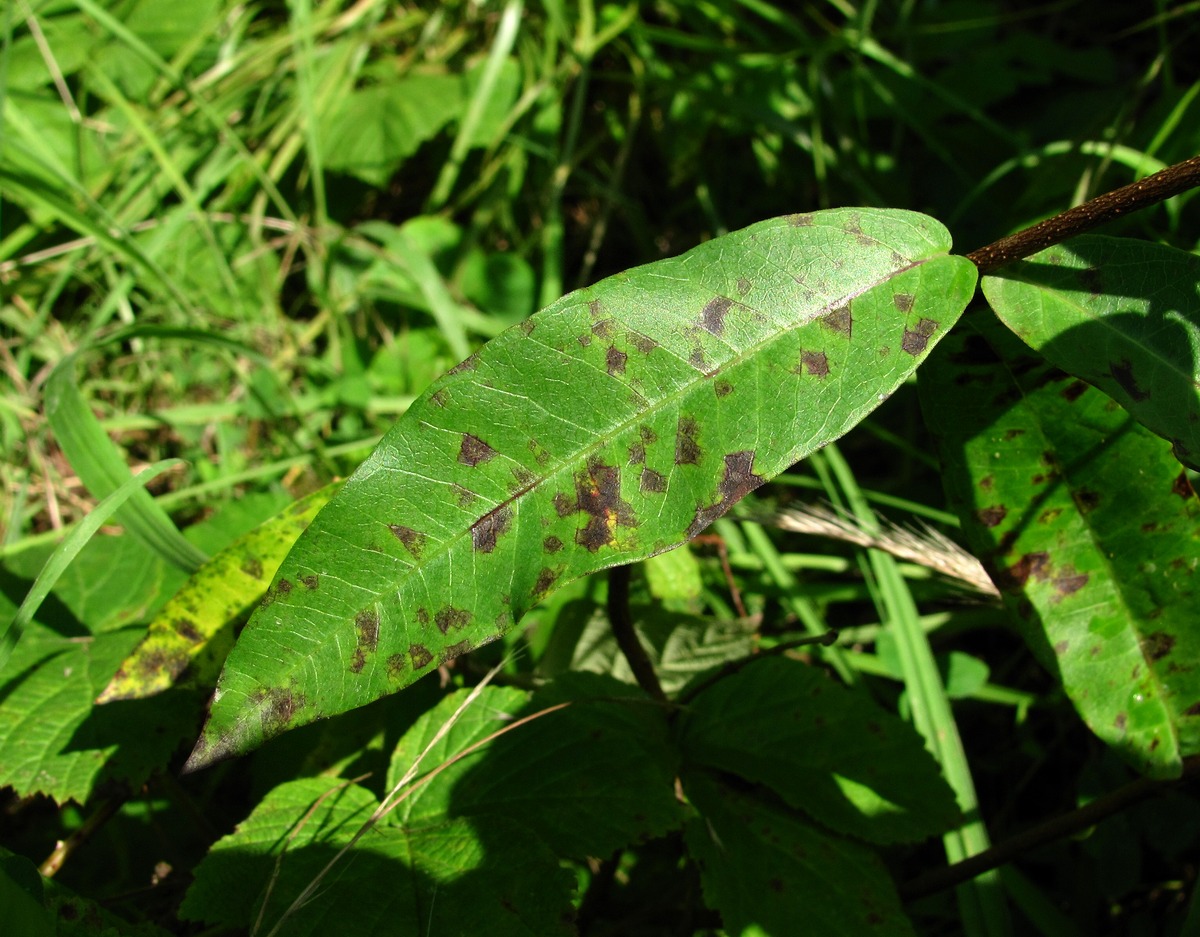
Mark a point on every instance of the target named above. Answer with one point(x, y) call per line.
point(1130, 198)
point(65, 847)
point(1052, 830)
point(621, 620)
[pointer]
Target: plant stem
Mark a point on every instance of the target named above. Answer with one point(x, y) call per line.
point(627, 639)
point(63, 850)
point(1054, 829)
point(1103, 208)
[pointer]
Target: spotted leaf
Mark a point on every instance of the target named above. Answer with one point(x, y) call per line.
point(1123, 315)
point(614, 425)
point(1090, 529)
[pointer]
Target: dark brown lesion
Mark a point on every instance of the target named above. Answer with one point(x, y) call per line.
point(712, 317)
point(722, 388)
point(413, 540)
point(904, 301)
point(489, 528)
point(687, 448)
point(614, 361)
point(738, 480)
point(915, 340)
point(469, 363)
point(815, 363)
point(840, 320)
point(451, 618)
point(366, 623)
point(419, 655)
point(474, 451)
point(652, 482)
point(598, 495)
point(545, 580)
point(552, 544)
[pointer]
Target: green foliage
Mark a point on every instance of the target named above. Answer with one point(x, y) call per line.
point(291, 244)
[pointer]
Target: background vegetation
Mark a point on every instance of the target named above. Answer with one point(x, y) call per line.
point(312, 211)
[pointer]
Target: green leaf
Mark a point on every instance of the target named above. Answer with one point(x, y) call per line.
point(826, 750)
point(1090, 529)
point(614, 425)
point(447, 878)
point(1124, 315)
point(54, 742)
point(56, 565)
point(765, 868)
point(603, 775)
point(378, 127)
point(195, 629)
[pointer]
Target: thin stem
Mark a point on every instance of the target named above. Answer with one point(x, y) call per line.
point(627, 639)
point(1052, 830)
point(1103, 208)
point(66, 847)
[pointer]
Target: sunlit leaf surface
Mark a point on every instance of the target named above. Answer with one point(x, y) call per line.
point(615, 424)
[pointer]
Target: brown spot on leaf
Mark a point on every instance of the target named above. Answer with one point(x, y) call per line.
point(1071, 581)
point(637, 454)
point(413, 540)
point(840, 320)
point(1051, 514)
point(738, 481)
point(1012, 434)
point(453, 651)
point(1193, 710)
point(423, 615)
point(652, 482)
point(604, 328)
point(595, 310)
point(1086, 500)
point(687, 449)
point(598, 495)
point(1182, 486)
point(815, 363)
point(545, 580)
point(1158, 645)
point(800, 221)
point(697, 360)
point(252, 567)
point(419, 655)
point(563, 504)
point(280, 709)
point(486, 530)
point(992, 516)
point(614, 360)
point(987, 482)
point(468, 363)
point(366, 623)
point(1030, 565)
point(396, 665)
point(1073, 391)
point(643, 343)
point(474, 450)
point(915, 340)
point(743, 286)
point(464, 496)
point(585, 340)
point(283, 587)
point(358, 660)
point(310, 582)
point(1122, 373)
point(439, 397)
point(903, 301)
point(1062, 647)
point(712, 318)
point(722, 388)
point(451, 617)
point(552, 544)
point(1120, 722)
point(647, 435)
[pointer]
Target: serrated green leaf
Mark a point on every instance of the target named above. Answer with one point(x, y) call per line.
point(195, 629)
point(763, 867)
point(1124, 315)
point(440, 879)
point(54, 742)
point(826, 750)
point(614, 425)
point(1091, 530)
point(602, 777)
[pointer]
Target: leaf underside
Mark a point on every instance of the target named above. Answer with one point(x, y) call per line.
point(1089, 527)
point(1122, 314)
point(614, 425)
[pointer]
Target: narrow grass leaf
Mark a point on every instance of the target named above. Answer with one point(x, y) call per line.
point(614, 425)
point(1124, 315)
point(1090, 528)
point(66, 551)
point(195, 629)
